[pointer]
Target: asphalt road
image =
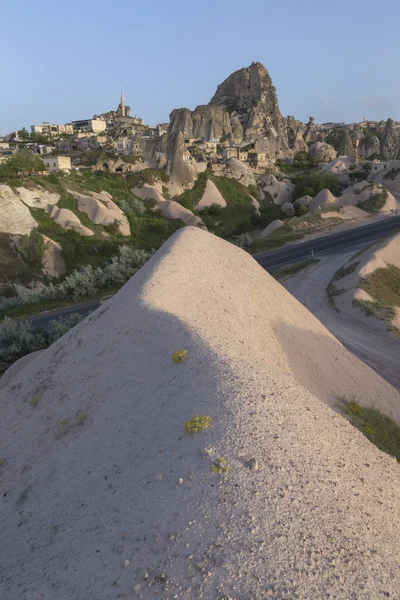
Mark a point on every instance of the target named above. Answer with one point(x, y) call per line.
point(328, 244)
point(271, 260)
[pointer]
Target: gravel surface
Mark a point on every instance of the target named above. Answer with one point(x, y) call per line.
point(105, 496)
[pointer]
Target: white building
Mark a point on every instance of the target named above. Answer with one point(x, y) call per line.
point(57, 163)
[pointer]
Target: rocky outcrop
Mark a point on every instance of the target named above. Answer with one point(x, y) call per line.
point(68, 220)
point(181, 120)
point(251, 95)
point(169, 208)
point(322, 152)
point(15, 217)
point(210, 123)
point(237, 129)
point(346, 147)
point(101, 210)
point(212, 196)
point(280, 191)
point(238, 170)
point(181, 170)
point(53, 259)
point(295, 133)
point(288, 209)
point(274, 226)
point(311, 134)
point(204, 123)
point(303, 201)
point(370, 147)
point(389, 141)
point(37, 197)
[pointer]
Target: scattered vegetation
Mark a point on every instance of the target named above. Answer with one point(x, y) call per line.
point(310, 184)
point(86, 281)
point(35, 400)
point(179, 356)
point(82, 418)
point(344, 271)
point(375, 203)
point(244, 241)
point(380, 429)
point(17, 338)
point(198, 423)
point(375, 309)
point(149, 176)
point(332, 292)
point(294, 269)
point(220, 465)
point(190, 198)
point(384, 285)
point(277, 239)
point(32, 248)
point(65, 426)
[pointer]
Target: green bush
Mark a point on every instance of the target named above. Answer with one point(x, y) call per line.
point(310, 184)
point(31, 248)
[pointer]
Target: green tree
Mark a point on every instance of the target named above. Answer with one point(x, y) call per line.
point(22, 163)
point(310, 184)
point(38, 138)
point(32, 248)
point(23, 135)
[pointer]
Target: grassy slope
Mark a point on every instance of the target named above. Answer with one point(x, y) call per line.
point(377, 427)
point(384, 285)
point(293, 269)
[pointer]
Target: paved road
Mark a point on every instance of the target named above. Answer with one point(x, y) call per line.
point(38, 321)
point(329, 244)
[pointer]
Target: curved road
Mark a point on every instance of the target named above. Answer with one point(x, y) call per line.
point(378, 348)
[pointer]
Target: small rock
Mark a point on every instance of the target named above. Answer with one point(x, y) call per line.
point(180, 481)
point(126, 563)
point(159, 477)
point(253, 464)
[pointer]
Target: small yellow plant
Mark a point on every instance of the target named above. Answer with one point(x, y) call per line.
point(35, 400)
point(220, 465)
point(65, 426)
point(197, 423)
point(179, 356)
point(82, 418)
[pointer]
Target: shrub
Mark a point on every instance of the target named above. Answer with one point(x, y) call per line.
point(220, 465)
point(244, 240)
point(310, 184)
point(18, 339)
point(300, 210)
point(198, 423)
point(133, 206)
point(86, 281)
point(31, 248)
point(179, 356)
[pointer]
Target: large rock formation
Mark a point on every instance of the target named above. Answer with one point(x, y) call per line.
point(15, 217)
point(389, 141)
point(370, 147)
point(322, 151)
point(101, 210)
point(251, 95)
point(295, 133)
point(311, 134)
point(205, 123)
point(346, 147)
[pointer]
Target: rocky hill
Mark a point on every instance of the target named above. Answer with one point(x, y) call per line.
point(251, 95)
point(111, 495)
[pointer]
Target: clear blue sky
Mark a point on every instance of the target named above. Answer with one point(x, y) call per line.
point(62, 61)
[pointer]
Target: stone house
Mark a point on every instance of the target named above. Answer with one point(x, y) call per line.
point(57, 163)
point(51, 130)
point(235, 152)
point(90, 125)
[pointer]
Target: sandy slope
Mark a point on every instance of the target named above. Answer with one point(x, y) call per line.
point(126, 505)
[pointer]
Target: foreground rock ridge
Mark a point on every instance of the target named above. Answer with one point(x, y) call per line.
point(104, 494)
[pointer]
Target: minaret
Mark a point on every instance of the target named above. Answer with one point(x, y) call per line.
point(122, 104)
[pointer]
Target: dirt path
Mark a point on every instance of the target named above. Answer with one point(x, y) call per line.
point(363, 336)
